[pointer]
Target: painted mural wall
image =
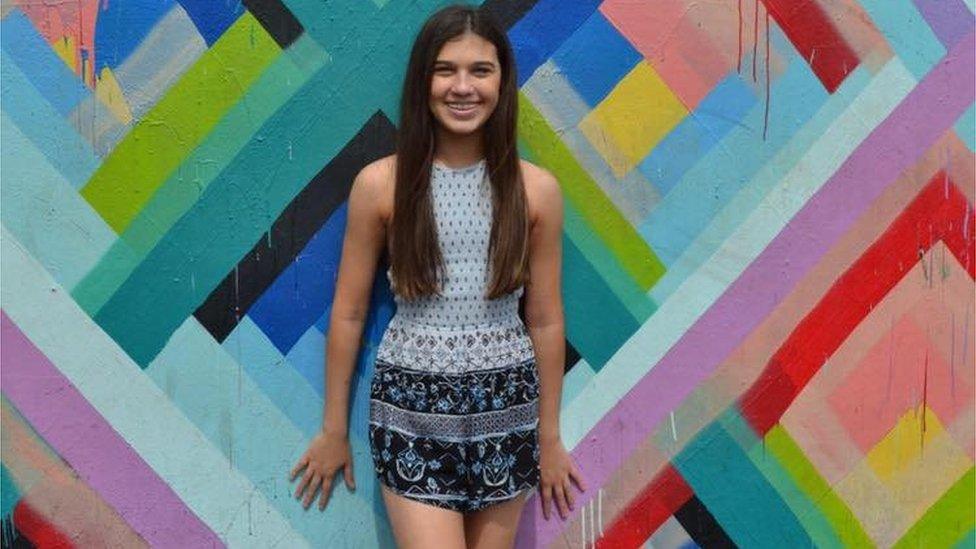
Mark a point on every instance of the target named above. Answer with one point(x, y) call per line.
point(768, 265)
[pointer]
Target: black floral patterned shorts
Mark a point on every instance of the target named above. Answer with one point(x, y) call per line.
point(457, 427)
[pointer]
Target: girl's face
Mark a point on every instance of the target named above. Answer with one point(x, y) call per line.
point(465, 84)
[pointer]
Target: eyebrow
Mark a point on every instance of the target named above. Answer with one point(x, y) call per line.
point(476, 63)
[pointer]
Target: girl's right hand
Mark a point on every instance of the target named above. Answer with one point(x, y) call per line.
point(326, 453)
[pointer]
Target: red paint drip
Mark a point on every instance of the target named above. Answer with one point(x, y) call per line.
point(755, 38)
point(766, 110)
point(738, 59)
point(925, 395)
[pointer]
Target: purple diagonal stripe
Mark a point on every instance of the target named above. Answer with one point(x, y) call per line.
point(896, 144)
point(950, 19)
point(70, 425)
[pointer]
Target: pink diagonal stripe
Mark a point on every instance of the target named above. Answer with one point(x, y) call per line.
point(924, 115)
point(62, 416)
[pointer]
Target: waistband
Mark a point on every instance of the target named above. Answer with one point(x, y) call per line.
point(504, 322)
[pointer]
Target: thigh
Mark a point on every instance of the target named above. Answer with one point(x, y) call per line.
point(419, 525)
point(494, 526)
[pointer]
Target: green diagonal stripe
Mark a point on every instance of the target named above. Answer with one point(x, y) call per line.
point(588, 277)
point(947, 522)
point(610, 229)
point(160, 142)
point(843, 524)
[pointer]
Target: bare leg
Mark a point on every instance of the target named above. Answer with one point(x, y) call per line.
point(494, 527)
point(419, 525)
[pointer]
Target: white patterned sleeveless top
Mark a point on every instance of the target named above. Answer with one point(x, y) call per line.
point(459, 330)
point(463, 215)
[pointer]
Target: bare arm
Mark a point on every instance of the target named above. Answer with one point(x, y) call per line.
point(361, 248)
point(543, 305)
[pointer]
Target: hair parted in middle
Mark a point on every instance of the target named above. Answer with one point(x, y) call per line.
point(416, 258)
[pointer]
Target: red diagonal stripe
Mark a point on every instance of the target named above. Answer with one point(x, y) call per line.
point(37, 529)
point(939, 212)
point(660, 499)
point(810, 30)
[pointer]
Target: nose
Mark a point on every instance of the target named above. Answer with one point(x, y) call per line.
point(462, 83)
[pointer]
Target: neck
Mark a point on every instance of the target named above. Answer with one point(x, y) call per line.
point(459, 150)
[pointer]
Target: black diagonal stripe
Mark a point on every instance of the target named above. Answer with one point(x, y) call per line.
point(293, 229)
point(277, 19)
point(12, 537)
point(701, 525)
point(507, 12)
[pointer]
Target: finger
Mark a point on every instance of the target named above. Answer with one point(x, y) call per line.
point(578, 479)
point(301, 485)
point(326, 491)
point(561, 502)
point(298, 467)
point(310, 495)
point(347, 474)
point(546, 499)
point(568, 491)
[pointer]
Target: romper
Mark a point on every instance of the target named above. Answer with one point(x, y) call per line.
point(454, 397)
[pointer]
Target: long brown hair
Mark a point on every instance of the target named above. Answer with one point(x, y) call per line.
point(415, 252)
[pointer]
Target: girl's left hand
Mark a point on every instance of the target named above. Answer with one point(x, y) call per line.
point(556, 469)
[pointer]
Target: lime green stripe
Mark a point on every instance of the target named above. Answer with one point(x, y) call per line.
point(630, 297)
point(841, 524)
point(160, 142)
point(604, 236)
point(277, 85)
point(949, 520)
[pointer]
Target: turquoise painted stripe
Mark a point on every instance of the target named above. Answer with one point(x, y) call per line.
point(257, 439)
point(736, 493)
point(586, 312)
point(9, 493)
point(325, 20)
point(275, 377)
point(56, 139)
point(812, 519)
point(966, 127)
point(307, 357)
point(736, 209)
point(967, 542)
point(291, 147)
point(45, 213)
point(574, 381)
point(685, 211)
point(908, 33)
point(128, 400)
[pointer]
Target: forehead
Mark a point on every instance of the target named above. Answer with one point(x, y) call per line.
point(468, 48)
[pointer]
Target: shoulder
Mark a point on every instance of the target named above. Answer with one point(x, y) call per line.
point(378, 171)
point(541, 189)
point(376, 179)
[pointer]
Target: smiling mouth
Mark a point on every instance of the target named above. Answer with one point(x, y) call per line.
point(462, 107)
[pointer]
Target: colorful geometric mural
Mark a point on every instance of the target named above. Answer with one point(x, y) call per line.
point(769, 257)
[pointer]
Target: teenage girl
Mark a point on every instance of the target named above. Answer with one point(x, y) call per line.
point(464, 398)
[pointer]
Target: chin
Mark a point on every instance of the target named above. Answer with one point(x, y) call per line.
point(461, 128)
